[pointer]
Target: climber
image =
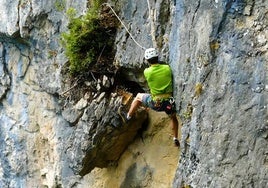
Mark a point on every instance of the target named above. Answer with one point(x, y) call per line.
point(159, 80)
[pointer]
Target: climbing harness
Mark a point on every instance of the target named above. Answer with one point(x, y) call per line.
point(107, 4)
point(165, 104)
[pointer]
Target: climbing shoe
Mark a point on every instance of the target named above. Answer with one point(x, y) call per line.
point(176, 142)
point(123, 115)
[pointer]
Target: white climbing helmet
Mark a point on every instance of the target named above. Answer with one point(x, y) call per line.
point(150, 53)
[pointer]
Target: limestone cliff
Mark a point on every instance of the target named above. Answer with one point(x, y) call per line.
point(57, 133)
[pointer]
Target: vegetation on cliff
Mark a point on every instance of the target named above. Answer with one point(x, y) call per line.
point(90, 38)
point(89, 47)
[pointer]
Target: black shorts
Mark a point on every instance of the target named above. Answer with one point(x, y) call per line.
point(166, 105)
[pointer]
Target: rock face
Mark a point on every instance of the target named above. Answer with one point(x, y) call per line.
point(218, 54)
point(150, 161)
point(222, 75)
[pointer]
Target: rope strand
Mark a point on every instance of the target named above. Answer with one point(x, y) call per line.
point(124, 26)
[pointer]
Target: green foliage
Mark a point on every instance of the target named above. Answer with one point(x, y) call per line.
point(60, 5)
point(71, 13)
point(189, 111)
point(85, 39)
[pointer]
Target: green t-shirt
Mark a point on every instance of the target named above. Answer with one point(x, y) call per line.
point(159, 79)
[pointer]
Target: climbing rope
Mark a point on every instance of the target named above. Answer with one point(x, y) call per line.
point(107, 4)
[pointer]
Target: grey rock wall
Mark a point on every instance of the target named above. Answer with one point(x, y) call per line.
point(30, 122)
point(218, 54)
point(47, 140)
point(221, 47)
point(149, 29)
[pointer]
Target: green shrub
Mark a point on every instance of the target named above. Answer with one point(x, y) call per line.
point(86, 38)
point(60, 5)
